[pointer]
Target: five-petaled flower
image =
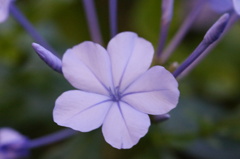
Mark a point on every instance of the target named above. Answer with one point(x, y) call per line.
point(4, 9)
point(116, 89)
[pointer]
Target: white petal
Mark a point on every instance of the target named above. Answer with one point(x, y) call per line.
point(236, 5)
point(155, 92)
point(124, 126)
point(87, 67)
point(130, 56)
point(81, 111)
point(4, 9)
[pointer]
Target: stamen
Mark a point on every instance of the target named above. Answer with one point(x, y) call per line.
point(92, 20)
point(115, 94)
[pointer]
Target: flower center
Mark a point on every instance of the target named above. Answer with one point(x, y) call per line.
point(115, 94)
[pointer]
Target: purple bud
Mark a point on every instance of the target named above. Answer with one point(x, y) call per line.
point(49, 58)
point(216, 30)
point(12, 144)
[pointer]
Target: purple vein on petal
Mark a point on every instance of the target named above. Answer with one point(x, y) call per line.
point(131, 83)
point(120, 110)
point(213, 34)
point(137, 92)
point(133, 93)
point(113, 17)
point(125, 67)
point(16, 13)
point(105, 101)
point(187, 23)
point(104, 86)
point(167, 10)
point(92, 20)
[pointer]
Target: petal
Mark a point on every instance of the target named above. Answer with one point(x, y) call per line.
point(87, 67)
point(124, 126)
point(236, 5)
point(80, 110)
point(130, 57)
point(4, 9)
point(155, 92)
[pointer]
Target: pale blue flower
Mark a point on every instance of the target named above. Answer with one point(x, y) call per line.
point(12, 144)
point(115, 89)
point(4, 9)
point(236, 5)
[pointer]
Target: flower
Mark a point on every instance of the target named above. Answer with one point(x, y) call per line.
point(116, 89)
point(12, 144)
point(4, 9)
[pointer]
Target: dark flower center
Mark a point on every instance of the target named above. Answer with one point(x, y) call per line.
point(115, 94)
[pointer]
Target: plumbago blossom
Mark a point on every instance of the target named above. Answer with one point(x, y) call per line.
point(225, 5)
point(115, 89)
point(4, 9)
point(12, 144)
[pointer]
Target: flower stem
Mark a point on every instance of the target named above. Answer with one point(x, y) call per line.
point(167, 9)
point(92, 20)
point(182, 31)
point(113, 17)
point(22, 20)
point(52, 138)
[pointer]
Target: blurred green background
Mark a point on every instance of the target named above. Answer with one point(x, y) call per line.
point(205, 124)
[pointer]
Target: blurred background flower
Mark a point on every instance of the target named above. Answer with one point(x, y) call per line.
point(12, 144)
point(204, 125)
